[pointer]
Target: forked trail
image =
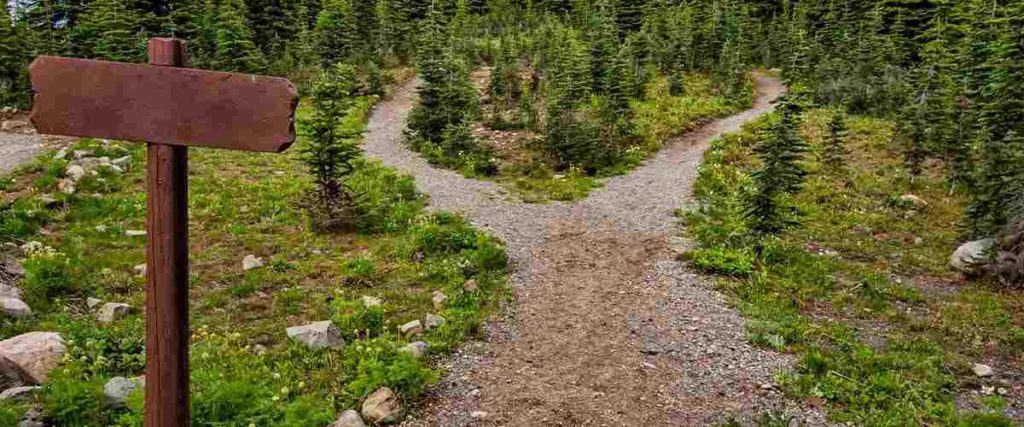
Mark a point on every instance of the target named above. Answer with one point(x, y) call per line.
point(605, 327)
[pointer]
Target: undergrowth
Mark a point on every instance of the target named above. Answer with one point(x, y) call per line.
point(861, 292)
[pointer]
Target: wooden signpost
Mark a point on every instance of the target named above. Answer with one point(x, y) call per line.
point(171, 108)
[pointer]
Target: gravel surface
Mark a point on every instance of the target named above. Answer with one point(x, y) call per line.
point(604, 327)
point(17, 148)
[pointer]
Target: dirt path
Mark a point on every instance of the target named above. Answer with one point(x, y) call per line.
point(17, 148)
point(604, 328)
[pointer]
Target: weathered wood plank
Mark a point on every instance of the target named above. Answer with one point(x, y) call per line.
point(179, 106)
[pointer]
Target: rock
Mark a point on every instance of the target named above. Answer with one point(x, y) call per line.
point(81, 154)
point(92, 303)
point(135, 233)
point(971, 256)
point(911, 200)
point(982, 370)
point(470, 286)
point(412, 328)
point(66, 186)
point(349, 418)
point(117, 390)
point(259, 349)
point(382, 407)
point(433, 321)
point(439, 300)
point(75, 172)
point(369, 301)
point(61, 154)
point(35, 352)
point(121, 161)
point(13, 307)
point(11, 375)
point(14, 126)
point(19, 394)
point(317, 335)
point(112, 311)
point(49, 201)
point(32, 418)
point(417, 349)
point(251, 262)
point(478, 414)
point(140, 270)
point(8, 291)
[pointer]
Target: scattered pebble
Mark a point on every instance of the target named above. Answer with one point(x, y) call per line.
point(251, 262)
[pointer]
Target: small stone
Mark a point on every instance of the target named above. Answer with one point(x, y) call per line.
point(19, 394)
point(81, 154)
point(988, 390)
point(67, 186)
point(61, 154)
point(259, 349)
point(112, 311)
point(349, 418)
point(121, 161)
point(8, 291)
point(117, 390)
point(982, 370)
point(433, 321)
point(971, 256)
point(912, 201)
point(92, 303)
point(470, 286)
point(140, 270)
point(14, 126)
point(251, 262)
point(439, 300)
point(369, 301)
point(32, 418)
point(417, 349)
point(13, 307)
point(75, 172)
point(478, 414)
point(317, 335)
point(37, 353)
point(475, 392)
point(49, 201)
point(412, 328)
point(1002, 391)
point(135, 233)
point(918, 241)
point(382, 407)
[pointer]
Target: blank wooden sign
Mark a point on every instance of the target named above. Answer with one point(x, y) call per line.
point(178, 106)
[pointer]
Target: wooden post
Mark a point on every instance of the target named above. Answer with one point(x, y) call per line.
point(167, 330)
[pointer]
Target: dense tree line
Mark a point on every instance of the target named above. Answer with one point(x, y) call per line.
point(951, 73)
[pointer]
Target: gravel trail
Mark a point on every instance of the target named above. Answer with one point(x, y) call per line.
point(604, 327)
point(17, 148)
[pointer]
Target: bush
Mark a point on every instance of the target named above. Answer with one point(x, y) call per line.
point(22, 218)
point(72, 398)
point(48, 275)
point(725, 261)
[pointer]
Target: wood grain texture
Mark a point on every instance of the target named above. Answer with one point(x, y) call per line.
point(158, 103)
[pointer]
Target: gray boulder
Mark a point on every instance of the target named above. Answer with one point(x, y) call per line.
point(433, 321)
point(440, 299)
point(11, 375)
point(382, 407)
point(117, 390)
point(37, 353)
point(251, 262)
point(317, 335)
point(412, 328)
point(112, 311)
point(13, 307)
point(970, 257)
point(19, 394)
point(349, 418)
point(8, 291)
point(417, 349)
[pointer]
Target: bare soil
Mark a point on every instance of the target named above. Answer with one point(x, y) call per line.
point(604, 326)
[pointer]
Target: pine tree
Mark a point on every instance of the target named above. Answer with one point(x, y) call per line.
point(999, 175)
point(337, 31)
point(836, 153)
point(235, 48)
point(781, 150)
point(13, 62)
point(331, 152)
point(110, 31)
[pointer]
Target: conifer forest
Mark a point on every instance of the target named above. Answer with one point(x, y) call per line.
point(541, 212)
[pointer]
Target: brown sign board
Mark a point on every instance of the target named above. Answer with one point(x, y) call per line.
point(169, 105)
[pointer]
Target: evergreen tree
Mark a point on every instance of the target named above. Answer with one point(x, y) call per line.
point(999, 175)
point(835, 153)
point(781, 149)
point(13, 62)
point(337, 31)
point(235, 48)
point(110, 31)
point(330, 152)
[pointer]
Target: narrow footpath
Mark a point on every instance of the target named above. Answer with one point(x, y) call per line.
point(604, 326)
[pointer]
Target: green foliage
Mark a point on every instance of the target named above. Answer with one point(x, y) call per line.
point(781, 150)
point(235, 49)
point(71, 397)
point(723, 261)
point(336, 31)
point(110, 30)
point(49, 274)
point(331, 150)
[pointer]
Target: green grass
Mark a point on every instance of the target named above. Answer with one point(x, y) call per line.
point(884, 331)
point(247, 203)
